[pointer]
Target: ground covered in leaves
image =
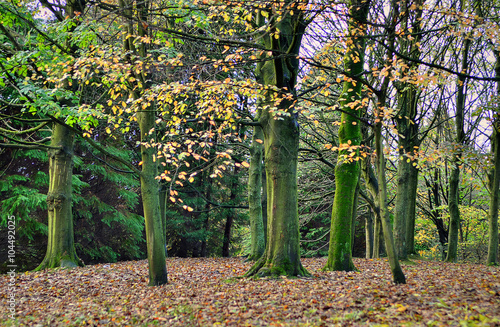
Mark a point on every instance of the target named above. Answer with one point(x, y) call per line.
point(206, 292)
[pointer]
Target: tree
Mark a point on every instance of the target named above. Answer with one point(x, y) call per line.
point(408, 138)
point(61, 98)
point(494, 177)
point(258, 241)
point(281, 140)
point(347, 169)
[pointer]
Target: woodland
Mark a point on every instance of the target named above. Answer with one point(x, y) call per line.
point(203, 147)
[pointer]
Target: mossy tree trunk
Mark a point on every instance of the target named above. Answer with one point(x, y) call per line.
point(347, 169)
point(257, 243)
point(60, 247)
point(281, 145)
point(369, 235)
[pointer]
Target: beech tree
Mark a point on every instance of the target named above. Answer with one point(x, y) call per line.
point(33, 96)
point(347, 169)
point(281, 139)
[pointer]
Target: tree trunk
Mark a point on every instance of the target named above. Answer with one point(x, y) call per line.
point(397, 272)
point(282, 255)
point(492, 259)
point(354, 215)
point(146, 120)
point(162, 194)
point(60, 247)
point(347, 169)
point(454, 213)
point(372, 186)
point(227, 235)
point(401, 209)
point(230, 216)
point(257, 243)
point(407, 126)
point(454, 181)
point(410, 224)
point(369, 235)
point(151, 203)
point(264, 205)
point(281, 144)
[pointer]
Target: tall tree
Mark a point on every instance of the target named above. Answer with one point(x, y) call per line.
point(257, 242)
point(492, 259)
point(58, 101)
point(347, 169)
point(460, 139)
point(408, 139)
point(146, 119)
point(281, 139)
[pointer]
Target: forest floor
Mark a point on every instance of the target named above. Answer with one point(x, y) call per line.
point(207, 292)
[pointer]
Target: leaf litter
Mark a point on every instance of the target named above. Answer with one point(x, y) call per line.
point(211, 292)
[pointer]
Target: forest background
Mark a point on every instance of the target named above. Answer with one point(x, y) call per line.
point(393, 104)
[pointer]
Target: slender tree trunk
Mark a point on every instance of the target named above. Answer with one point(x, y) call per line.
point(369, 235)
point(227, 235)
point(60, 248)
point(151, 203)
point(162, 194)
point(264, 205)
point(149, 185)
point(230, 216)
point(397, 272)
point(372, 186)
point(347, 170)
point(492, 259)
point(206, 223)
point(454, 181)
point(257, 243)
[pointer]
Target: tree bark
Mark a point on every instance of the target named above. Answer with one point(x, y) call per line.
point(282, 255)
point(407, 126)
point(347, 169)
point(149, 185)
point(281, 145)
point(230, 216)
point(410, 224)
point(151, 202)
point(492, 259)
point(453, 197)
point(397, 272)
point(60, 247)
point(369, 235)
point(257, 242)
